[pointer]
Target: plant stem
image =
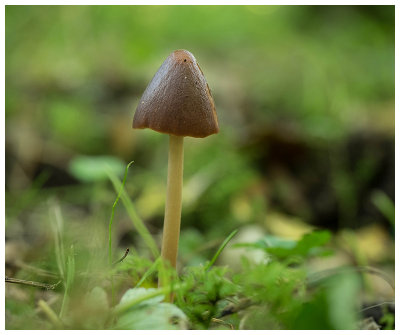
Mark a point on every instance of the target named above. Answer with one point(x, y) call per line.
point(173, 203)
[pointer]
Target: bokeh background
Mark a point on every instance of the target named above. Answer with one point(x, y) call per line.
point(305, 101)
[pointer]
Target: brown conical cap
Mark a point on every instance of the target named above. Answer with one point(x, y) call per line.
point(178, 100)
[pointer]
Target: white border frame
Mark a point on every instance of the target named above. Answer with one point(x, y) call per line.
point(182, 2)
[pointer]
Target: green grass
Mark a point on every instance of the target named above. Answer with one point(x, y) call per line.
point(274, 294)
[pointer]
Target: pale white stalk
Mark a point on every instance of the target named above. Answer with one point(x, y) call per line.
point(173, 203)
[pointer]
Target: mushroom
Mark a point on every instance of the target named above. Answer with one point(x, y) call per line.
point(177, 102)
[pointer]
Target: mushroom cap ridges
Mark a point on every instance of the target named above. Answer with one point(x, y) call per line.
point(178, 100)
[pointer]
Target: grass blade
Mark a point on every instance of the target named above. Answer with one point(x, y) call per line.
point(149, 271)
point(136, 221)
point(222, 247)
point(112, 213)
point(58, 227)
point(50, 314)
point(69, 280)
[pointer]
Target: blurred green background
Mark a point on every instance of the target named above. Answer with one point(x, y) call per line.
point(304, 97)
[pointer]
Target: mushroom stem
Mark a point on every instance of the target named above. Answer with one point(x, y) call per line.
point(173, 203)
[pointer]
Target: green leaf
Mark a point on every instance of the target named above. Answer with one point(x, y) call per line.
point(151, 313)
point(270, 241)
point(278, 242)
point(333, 305)
point(137, 293)
point(312, 240)
point(342, 298)
point(313, 314)
point(282, 248)
point(95, 168)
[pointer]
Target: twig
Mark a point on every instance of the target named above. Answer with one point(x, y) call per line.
point(378, 273)
point(123, 257)
point(377, 305)
point(32, 283)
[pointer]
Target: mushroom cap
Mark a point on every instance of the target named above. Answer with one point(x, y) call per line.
point(178, 100)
